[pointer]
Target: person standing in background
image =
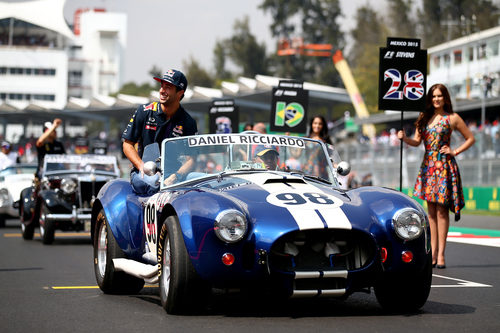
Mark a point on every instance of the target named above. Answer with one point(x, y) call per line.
point(47, 143)
point(318, 129)
point(260, 127)
point(248, 127)
point(11, 157)
point(438, 181)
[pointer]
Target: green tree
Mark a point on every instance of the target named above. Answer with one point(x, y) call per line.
point(317, 21)
point(487, 14)
point(155, 71)
point(220, 58)
point(369, 35)
point(197, 76)
point(244, 50)
point(132, 88)
point(400, 16)
point(444, 20)
point(430, 18)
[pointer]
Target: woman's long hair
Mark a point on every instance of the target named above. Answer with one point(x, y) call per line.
point(425, 116)
point(323, 134)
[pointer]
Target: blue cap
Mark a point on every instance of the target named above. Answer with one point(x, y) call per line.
point(263, 149)
point(175, 77)
point(6, 144)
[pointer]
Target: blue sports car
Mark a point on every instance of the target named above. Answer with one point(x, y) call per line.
point(258, 211)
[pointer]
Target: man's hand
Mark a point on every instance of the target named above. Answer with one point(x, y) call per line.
point(56, 123)
point(170, 179)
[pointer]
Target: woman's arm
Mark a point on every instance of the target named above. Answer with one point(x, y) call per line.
point(457, 123)
point(417, 138)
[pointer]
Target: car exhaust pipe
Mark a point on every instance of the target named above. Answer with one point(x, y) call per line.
point(149, 273)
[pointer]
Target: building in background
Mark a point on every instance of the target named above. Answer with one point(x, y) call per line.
point(96, 59)
point(469, 66)
point(43, 63)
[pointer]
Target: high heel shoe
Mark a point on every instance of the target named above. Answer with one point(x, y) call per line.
point(441, 266)
point(434, 265)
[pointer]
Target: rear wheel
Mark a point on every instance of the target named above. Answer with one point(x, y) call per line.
point(105, 250)
point(405, 293)
point(47, 227)
point(27, 226)
point(181, 289)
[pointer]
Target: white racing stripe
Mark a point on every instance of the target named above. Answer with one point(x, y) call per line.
point(316, 208)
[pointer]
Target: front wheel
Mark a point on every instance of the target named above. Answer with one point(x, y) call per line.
point(105, 250)
point(27, 226)
point(181, 289)
point(47, 227)
point(405, 293)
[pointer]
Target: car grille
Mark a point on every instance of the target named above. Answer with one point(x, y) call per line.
point(88, 192)
point(322, 250)
point(319, 260)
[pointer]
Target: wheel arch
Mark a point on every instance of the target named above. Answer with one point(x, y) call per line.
point(116, 199)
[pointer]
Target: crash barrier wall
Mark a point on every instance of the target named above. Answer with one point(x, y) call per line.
point(478, 167)
point(476, 198)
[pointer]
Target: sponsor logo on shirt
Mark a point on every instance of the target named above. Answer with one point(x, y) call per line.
point(151, 106)
point(177, 131)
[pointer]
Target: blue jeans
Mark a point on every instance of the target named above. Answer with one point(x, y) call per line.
point(148, 185)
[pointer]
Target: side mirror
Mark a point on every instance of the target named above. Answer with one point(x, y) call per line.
point(150, 168)
point(150, 156)
point(344, 168)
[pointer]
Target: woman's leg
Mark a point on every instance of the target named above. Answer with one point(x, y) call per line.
point(432, 214)
point(443, 223)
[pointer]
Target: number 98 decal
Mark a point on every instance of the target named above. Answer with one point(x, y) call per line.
point(150, 223)
point(306, 200)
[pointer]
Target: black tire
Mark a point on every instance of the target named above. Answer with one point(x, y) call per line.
point(181, 289)
point(105, 250)
point(405, 293)
point(27, 227)
point(47, 228)
point(2, 221)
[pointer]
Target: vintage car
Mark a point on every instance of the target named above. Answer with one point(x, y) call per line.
point(62, 198)
point(12, 180)
point(238, 221)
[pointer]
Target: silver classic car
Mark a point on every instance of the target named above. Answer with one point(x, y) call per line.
point(65, 193)
point(12, 180)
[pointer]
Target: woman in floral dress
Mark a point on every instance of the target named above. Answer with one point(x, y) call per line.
point(438, 181)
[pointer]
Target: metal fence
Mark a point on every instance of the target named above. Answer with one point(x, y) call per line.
point(479, 166)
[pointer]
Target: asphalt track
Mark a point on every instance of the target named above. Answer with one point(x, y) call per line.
point(52, 289)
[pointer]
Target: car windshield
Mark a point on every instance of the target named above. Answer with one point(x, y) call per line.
point(204, 155)
point(18, 169)
point(80, 163)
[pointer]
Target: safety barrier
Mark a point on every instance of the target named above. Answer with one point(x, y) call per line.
point(476, 198)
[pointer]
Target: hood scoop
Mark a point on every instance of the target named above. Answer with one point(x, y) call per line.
point(285, 181)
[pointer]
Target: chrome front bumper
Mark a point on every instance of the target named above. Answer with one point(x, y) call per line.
point(75, 216)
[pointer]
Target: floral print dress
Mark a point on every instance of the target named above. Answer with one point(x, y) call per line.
point(439, 178)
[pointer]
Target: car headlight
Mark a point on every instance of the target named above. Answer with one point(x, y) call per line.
point(68, 186)
point(408, 223)
point(230, 226)
point(4, 197)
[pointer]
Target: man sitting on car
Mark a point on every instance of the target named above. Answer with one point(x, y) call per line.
point(267, 155)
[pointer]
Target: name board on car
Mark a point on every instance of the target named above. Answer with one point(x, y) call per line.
point(207, 140)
